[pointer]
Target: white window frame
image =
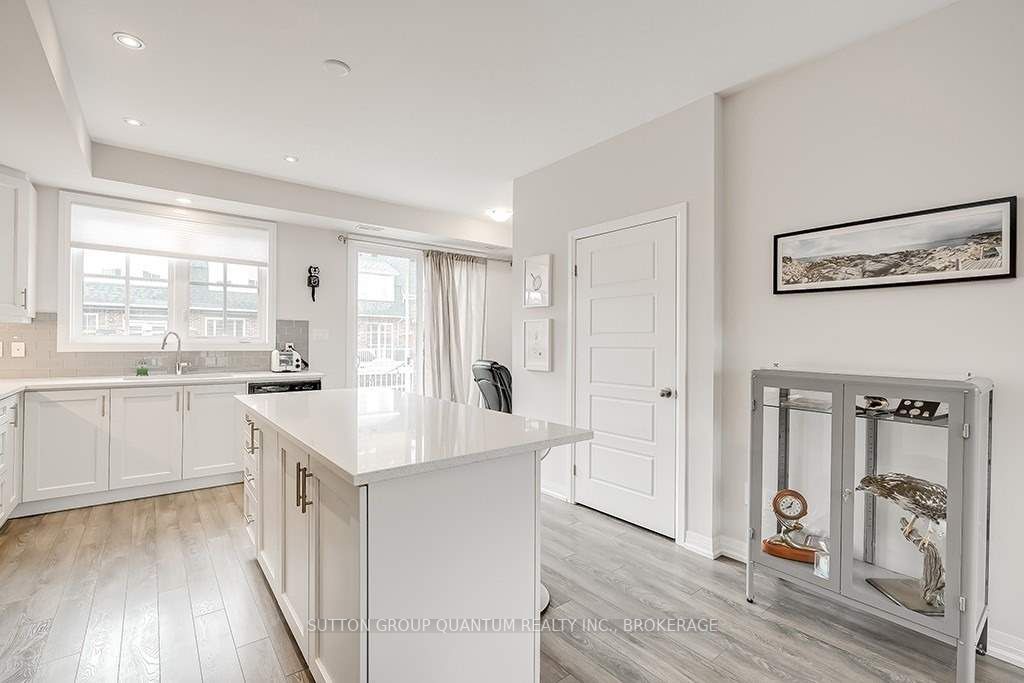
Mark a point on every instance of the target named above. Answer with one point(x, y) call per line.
point(354, 248)
point(69, 304)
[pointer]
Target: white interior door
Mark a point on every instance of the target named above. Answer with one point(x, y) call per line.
point(625, 301)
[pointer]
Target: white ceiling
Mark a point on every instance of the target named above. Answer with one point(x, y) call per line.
point(446, 102)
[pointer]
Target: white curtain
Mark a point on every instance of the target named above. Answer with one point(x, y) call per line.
point(455, 288)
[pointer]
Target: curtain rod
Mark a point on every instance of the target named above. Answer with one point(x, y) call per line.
point(389, 241)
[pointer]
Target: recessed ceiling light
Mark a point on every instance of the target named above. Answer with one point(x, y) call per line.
point(135, 123)
point(129, 41)
point(183, 200)
point(291, 159)
point(500, 215)
point(336, 67)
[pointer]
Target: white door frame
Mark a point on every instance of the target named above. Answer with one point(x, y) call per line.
point(678, 212)
point(352, 307)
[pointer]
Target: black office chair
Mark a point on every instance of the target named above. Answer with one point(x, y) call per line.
point(495, 383)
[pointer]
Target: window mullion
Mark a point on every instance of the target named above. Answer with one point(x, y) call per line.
point(127, 293)
point(178, 298)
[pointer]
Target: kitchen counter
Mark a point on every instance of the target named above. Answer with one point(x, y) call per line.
point(376, 434)
point(14, 386)
point(377, 507)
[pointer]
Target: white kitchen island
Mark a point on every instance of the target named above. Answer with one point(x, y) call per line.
point(399, 533)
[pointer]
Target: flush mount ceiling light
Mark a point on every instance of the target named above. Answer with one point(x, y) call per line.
point(134, 123)
point(183, 200)
point(291, 159)
point(336, 67)
point(129, 41)
point(500, 215)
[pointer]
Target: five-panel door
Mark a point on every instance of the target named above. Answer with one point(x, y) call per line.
point(626, 372)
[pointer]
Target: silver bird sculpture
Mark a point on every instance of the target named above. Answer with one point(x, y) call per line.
point(919, 497)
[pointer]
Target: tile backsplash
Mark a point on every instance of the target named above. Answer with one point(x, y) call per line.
point(42, 359)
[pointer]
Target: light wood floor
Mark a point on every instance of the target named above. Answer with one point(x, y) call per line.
point(168, 589)
point(597, 566)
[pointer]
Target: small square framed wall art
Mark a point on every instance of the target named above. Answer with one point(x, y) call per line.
point(537, 344)
point(537, 281)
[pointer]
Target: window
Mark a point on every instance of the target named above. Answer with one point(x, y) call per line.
point(385, 324)
point(131, 271)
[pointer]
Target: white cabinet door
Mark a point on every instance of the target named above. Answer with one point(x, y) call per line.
point(211, 438)
point(336, 575)
point(270, 504)
point(17, 247)
point(10, 453)
point(145, 436)
point(294, 584)
point(6, 460)
point(67, 443)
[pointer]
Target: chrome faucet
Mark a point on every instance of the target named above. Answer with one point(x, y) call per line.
point(179, 365)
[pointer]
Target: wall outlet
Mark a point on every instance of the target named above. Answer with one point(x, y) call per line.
point(17, 349)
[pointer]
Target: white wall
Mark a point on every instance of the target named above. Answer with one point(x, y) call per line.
point(923, 116)
point(667, 161)
point(500, 313)
point(297, 249)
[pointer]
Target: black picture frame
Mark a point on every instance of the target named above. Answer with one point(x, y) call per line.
point(1009, 234)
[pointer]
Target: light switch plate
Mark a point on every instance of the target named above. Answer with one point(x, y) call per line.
point(17, 349)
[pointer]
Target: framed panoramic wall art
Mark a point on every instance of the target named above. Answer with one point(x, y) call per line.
point(976, 241)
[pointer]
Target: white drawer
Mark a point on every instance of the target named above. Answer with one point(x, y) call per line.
point(250, 473)
point(249, 511)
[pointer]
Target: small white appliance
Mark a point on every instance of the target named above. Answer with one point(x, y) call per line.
point(287, 360)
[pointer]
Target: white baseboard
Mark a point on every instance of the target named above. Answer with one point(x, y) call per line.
point(732, 548)
point(1008, 648)
point(698, 543)
point(39, 507)
point(555, 494)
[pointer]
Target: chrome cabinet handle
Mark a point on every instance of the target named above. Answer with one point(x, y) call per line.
point(249, 476)
point(103, 405)
point(14, 416)
point(847, 493)
point(665, 393)
point(24, 299)
point(188, 401)
point(306, 502)
point(252, 438)
point(177, 401)
point(249, 519)
point(299, 480)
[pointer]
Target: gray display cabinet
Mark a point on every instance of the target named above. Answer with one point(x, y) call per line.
point(835, 477)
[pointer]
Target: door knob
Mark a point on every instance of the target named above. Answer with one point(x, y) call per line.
point(665, 393)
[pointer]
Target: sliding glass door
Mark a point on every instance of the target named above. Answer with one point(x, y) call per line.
point(385, 322)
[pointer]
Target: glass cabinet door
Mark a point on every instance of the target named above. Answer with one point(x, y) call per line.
point(902, 508)
point(796, 476)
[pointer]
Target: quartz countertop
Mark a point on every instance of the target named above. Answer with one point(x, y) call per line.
point(14, 386)
point(376, 434)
